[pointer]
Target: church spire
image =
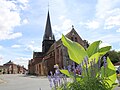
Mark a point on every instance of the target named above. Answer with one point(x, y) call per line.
point(48, 35)
point(48, 38)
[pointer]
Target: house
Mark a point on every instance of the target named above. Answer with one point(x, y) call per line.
point(12, 68)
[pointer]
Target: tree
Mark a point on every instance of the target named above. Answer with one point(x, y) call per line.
point(119, 55)
point(114, 56)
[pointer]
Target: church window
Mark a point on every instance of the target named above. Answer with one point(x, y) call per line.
point(75, 39)
point(72, 38)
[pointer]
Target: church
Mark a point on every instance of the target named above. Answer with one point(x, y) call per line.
point(53, 52)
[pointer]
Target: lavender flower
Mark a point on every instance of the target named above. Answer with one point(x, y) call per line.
point(73, 66)
point(86, 63)
point(74, 70)
point(105, 61)
point(79, 69)
point(51, 73)
point(99, 63)
point(69, 68)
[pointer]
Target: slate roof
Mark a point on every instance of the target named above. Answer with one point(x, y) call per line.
point(48, 35)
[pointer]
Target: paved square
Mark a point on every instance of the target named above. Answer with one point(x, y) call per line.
point(23, 82)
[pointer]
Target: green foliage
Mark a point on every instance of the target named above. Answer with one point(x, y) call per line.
point(77, 54)
point(93, 48)
point(89, 84)
point(76, 51)
point(65, 72)
point(107, 48)
point(114, 56)
point(109, 73)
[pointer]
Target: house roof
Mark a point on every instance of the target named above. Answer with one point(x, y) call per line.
point(9, 63)
point(59, 42)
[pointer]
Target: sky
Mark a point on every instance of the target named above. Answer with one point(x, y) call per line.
point(22, 24)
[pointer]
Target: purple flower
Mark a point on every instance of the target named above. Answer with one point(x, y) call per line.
point(86, 61)
point(69, 68)
point(51, 73)
point(105, 61)
point(50, 80)
point(79, 69)
point(99, 63)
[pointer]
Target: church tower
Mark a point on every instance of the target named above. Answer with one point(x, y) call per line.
point(48, 38)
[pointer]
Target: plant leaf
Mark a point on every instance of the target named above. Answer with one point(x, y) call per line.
point(104, 49)
point(110, 72)
point(93, 48)
point(65, 72)
point(76, 51)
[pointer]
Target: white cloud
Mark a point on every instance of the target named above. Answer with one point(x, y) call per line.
point(23, 1)
point(102, 6)
point(104, 44)
point(22, 61)
point(93, 24)
point(1, 59)
point(110, 38)
point(107, 15)
point(32, 42)
point(32, 48)
point(118, 30)
point(10, 18)
point(113, 20)
point(62, 28)
point(1, 47)
point(15, 46)
point(118, 50)
point(25, 21)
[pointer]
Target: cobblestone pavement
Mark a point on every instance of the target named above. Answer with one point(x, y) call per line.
point(23, 82)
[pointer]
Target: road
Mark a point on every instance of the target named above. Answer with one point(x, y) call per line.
point(23, 82)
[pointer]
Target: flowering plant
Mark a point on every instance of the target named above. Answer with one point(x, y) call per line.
point(94, 70)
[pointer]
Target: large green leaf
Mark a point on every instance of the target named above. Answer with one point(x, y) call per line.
point(76, 51)
point(65, 72)
point(93, 48)
point(109, 72)
point(104, 49)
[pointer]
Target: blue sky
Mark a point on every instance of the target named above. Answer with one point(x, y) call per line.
point(22, 24)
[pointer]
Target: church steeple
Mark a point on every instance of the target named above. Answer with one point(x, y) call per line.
point(48, 38)
point(48, 35)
